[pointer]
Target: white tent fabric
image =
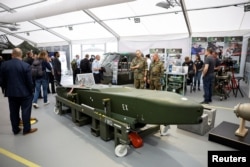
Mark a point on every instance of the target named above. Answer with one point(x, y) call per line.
point(53, 21)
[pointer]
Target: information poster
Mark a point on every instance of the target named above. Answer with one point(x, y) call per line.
point(199, 45)
point(228, 48)
point(232, 50)
point(86, 79)
point(161, 52)
point(217, 44)
point(174, 57)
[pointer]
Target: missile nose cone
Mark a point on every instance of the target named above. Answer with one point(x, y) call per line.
point(236, 110)
point(243, 111)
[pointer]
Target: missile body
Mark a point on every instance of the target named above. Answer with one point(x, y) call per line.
point(144, 106)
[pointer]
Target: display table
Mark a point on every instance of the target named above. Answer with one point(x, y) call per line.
point(225, 134)
point(176, 82)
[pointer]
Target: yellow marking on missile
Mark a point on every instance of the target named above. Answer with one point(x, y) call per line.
point(218, 107)
point(18, 158)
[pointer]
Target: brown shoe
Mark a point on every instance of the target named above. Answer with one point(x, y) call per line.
point(31, 131)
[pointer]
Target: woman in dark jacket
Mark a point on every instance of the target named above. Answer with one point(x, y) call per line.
point(198, 63)
point(42, 81)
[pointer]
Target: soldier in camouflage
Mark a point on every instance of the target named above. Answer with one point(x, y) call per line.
point(156, 72)
point(139, 66)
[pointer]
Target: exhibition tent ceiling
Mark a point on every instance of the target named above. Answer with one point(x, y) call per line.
point(49, 21)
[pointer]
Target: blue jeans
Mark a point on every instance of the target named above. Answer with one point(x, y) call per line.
point(44, 83)
point(208, 87)
point(197, 78)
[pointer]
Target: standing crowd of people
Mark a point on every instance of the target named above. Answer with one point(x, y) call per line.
point(205, 69)
point(87, 65)
point(21, 80)
point(148, 72)
point(51, 72)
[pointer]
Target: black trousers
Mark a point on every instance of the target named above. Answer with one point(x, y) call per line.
point(57, 77)
point(97, 78)
point(51, 82)
point(25, 104)
point(75, 72)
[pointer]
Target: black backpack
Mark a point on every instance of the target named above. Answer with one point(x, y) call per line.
point(37, 68)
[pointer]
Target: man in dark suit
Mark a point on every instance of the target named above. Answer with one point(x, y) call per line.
point(16, 80)
point(57, 67)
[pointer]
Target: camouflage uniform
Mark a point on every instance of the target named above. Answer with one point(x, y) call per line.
point(139, 73)
point(156, 72)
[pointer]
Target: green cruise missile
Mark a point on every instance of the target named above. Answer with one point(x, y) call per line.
point(146, 106)
point(122, 110)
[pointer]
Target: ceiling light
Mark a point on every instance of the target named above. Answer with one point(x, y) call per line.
point(163, 5)
point(70, 28)
point(137, 20)
point(168, 3)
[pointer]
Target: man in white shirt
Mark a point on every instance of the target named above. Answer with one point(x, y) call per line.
point(95, 69)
